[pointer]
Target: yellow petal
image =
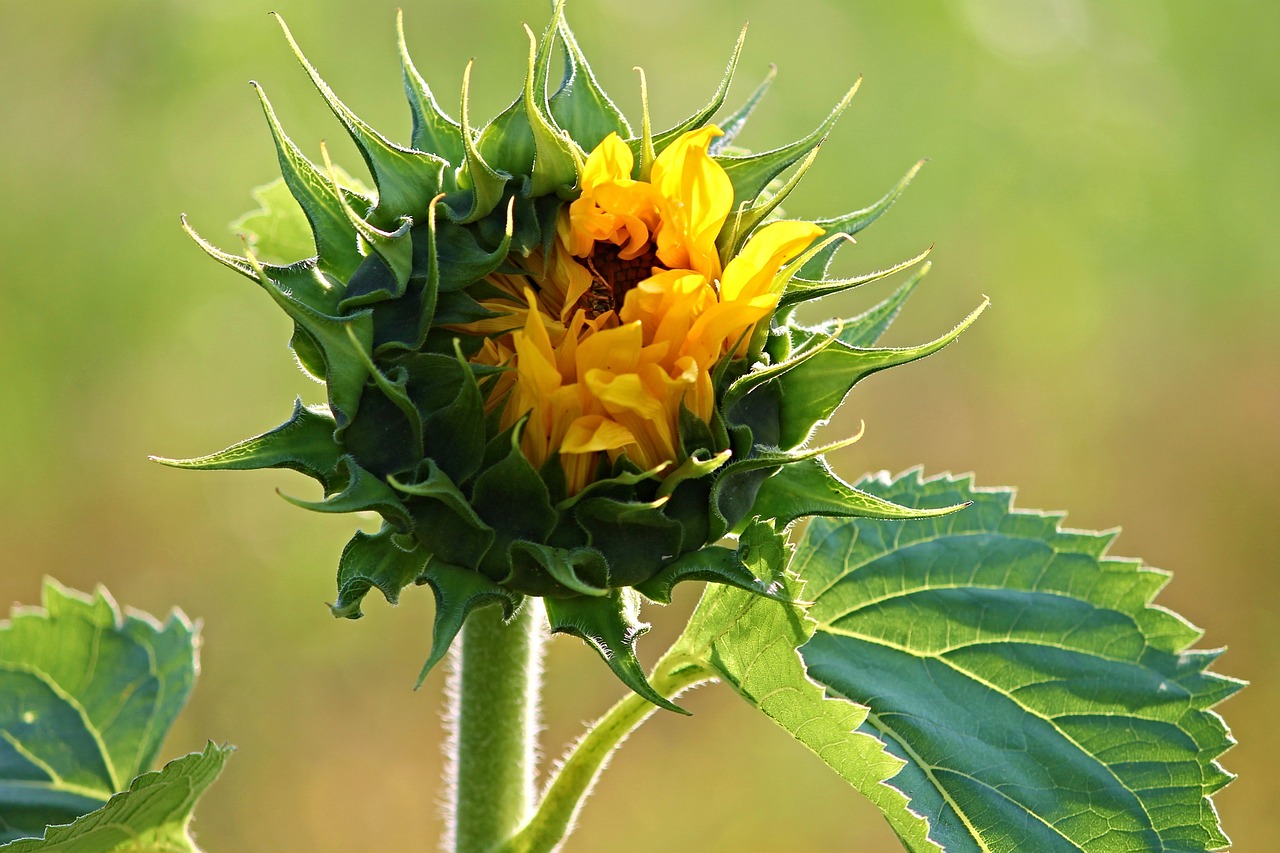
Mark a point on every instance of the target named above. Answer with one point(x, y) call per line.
point(752, 271)
point(591, 433)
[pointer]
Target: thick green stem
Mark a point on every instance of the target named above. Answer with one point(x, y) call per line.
point(494, 689)
point(564, 797)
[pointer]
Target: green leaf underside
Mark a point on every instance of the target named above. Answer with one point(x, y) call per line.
point(750, 643)
point(152, 816)
point(86, 697)
point(1038, 698)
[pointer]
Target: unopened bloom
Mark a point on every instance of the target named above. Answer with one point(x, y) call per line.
point(559, 356)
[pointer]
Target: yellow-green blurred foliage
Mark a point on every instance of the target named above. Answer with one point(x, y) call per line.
point(1108, 172)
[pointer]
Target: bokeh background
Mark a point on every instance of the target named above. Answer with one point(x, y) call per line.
point(1108, 173)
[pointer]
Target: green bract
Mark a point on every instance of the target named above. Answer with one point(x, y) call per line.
point(406, 432)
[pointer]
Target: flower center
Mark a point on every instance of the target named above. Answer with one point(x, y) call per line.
point(613, 277)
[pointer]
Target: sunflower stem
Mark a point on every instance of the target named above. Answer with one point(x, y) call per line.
point(494, 689)
point(580, 769)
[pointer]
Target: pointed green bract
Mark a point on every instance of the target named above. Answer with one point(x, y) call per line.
point(87, 695)
point(303, 443)
point(733, 123)
point(381, 560)
point(1038, 698)
point(609, 625)
point(433, 130)
point(815, 388)
point(810, 488)
point(702, 116)
point(579, 105)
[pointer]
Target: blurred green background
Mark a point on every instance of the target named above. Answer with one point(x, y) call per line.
point(1107, 172)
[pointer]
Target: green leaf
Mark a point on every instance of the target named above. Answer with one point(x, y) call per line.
point(755, 566)
point(865, 329)
point(1039, 698)
point(750, 643)
point(433, 130)
point(87, 695)
point(361, 492)
point(733, 123)
point(152, 816)
point(459, 591)
point(803, 289)
point(303, 443)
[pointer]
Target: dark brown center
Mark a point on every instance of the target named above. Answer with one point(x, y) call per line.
point(613, 277)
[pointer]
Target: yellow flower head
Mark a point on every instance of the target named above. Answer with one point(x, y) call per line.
point(634, 310)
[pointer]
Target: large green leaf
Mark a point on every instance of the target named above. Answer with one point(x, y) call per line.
point(750, 643)
point(153, 816)
point(1040, 700)
point(87, 694)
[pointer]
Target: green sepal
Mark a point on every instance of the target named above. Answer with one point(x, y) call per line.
point(302, 281)
point(433, 131)
point(513, 500)
point(702, 116)
point(762, 376)
point(738, 227)
point(867, 328)
point(361, 492)
point(480, 185)
point(610, 485)
point(555, 154)
point(700, 463)
point(752, 173)
point(444, 520)
point(543, 570)
point(375, 560)
point(303, 443)
point(507, 141)
point(610, 626)
point(755, 566)
point(336, 242)
point(733, 123)
point(630, 534)
point(447, 394)
point(813, 391)
point(461, 260)
point(810, 487)
point(580, 105)
point(802, 289)
point(852, 223)
point(394, 248)
point(459, 591)
point(407, 180)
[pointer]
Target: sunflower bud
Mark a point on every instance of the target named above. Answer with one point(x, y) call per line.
point(559, 354)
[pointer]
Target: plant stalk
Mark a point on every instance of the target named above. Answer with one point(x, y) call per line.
point(564, 797)
point(494, 688)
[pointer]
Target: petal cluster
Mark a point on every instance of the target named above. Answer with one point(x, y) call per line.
point(603, 367)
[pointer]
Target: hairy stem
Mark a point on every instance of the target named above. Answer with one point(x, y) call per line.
point(494, 690)
point(577, 775)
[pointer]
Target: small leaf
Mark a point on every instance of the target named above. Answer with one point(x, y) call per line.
point(87, 695)
point(1040, 700)
point(865, 329)
point(538, 569)
point(444, 521)
point(803, 289)
point(303, 443)
point(755, 566)
point(152, 816)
